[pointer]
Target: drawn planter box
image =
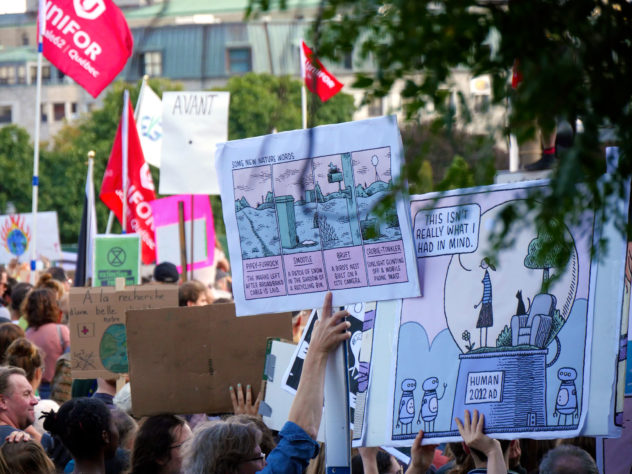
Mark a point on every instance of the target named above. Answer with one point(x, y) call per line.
point(508, 387)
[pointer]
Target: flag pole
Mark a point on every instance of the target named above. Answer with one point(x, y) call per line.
point(303, 91)
point(38, 112)
point(108, 228)
point(125, 146)
point(89, 250)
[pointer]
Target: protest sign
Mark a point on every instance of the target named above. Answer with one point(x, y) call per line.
point(192, 124)
point(97, 325)
point(541, 311)
point(301, 206)
point(116, 256)
point(166, 221)
point(182, 360)
point(149, 124)
point(16, 233)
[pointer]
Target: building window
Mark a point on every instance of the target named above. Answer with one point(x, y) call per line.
point(43, 114)
point(151, 63)
point(239, 60)
point(6, 114)
point(59, 111)
point(21, 74)
point(7, 75)
point(25, 39)
point(375, 107)
point(481, 104)
point(348, 60)
point(45, 73)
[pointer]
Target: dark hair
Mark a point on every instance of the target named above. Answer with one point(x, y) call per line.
point(153, 443)
point(382, 459)
point(568, 459)
point(58, 274)
point(18, 294)
point(24, 354)
point(125, 424)
point(41, 307)
point(190, 291)
point(27, 458)
point(9, 332)
point(267, 443)
point(79, 423)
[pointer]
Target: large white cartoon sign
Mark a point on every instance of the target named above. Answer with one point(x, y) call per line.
point(301, 206)
point(509, 334)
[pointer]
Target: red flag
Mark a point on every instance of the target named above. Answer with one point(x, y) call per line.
point(87, 39)
point(140, 190)
point(317, 79)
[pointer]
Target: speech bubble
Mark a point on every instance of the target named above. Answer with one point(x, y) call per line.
point(447, 230)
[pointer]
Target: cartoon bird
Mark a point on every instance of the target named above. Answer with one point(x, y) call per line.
point(430, 403)
point(407, 406)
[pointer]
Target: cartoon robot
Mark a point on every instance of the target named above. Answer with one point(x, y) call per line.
point(566, 403)
point(407, 406)
point(430, 403)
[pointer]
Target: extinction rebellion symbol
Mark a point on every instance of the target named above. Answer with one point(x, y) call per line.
point(116, 256)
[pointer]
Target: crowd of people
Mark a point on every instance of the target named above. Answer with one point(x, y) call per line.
point(50, 423)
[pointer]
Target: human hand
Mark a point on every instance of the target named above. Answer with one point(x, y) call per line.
point(17, 437)
point(421, 457)
point(329, 331)
point(245, 407)
point(473, 436)
point(369, 459)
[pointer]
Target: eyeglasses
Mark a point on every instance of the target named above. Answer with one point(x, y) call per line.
point(259, 457)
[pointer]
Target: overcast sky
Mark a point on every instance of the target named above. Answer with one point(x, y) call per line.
point(12, 6)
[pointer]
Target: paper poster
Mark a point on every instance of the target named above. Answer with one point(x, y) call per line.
point(510, 337)
point(116, 256)
point(149, 124)
point(16, 237)
point(192, 124)
point(97, 325)
point(191, 355)
point(301, 204)
point(165, 213)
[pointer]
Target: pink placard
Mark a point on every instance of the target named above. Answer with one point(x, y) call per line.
point(345, 268)
point(304, 272)
point(263, 277)
point(165, 213)
point(386, 263)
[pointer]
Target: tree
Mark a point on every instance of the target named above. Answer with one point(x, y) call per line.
point(262, 103)
point(575, 57)
point(546, 252)
point(16, 163)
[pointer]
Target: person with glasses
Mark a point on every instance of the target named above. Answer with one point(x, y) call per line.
point(233, 447)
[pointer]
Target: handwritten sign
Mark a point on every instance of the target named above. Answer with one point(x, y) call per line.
point(97, 325)
point(447, 230)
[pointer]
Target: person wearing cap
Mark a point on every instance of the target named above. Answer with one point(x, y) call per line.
point(166, 272)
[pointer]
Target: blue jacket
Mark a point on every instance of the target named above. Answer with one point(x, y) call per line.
point(293, 452)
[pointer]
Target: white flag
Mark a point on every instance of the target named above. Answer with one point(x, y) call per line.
point(149, 124)
point(194, 122)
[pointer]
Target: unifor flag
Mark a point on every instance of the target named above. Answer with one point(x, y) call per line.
point(140, 188)
point(149, 124)
point(89, 40)
point(317, 79)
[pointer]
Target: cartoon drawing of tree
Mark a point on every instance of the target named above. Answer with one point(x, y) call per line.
point(548, 250)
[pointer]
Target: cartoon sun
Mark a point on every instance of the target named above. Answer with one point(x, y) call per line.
point(15, 235)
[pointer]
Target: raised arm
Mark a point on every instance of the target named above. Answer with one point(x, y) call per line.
point(329, 331)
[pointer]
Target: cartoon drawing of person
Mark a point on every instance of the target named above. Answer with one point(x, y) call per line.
point(486, 315)
point(407, 406)
point(430, 403)
point(566, 402)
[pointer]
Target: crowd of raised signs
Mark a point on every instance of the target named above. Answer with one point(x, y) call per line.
point(52, 423)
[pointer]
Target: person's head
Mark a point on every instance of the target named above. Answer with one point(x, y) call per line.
point(17, 398)
point(41, 308)
point(4, 277)
point(158, 445)
point(222, 447)
point(568, 459)
point(267, 442)
point(27, 458)
point(9, 332)
point(46, 280)
point(507, 446)
point(24, 354)
point(85, 427)
point(126, 426)
point(59, 274)
point(166, 272)
point(18, 295)
point(192, 293)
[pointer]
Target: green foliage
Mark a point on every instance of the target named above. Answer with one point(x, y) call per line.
point(558, 322)
point(504, 338)
point(458, 175)
point(262, 103)
point(16, 163)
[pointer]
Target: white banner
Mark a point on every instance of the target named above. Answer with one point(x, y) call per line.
point(16, 237)
point(193, 123)
point(149, 125)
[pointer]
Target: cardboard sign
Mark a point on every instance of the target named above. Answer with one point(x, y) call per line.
point(116, 256)
point(97, 325)
point(182, 360)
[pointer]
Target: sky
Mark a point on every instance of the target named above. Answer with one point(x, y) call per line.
point(12, 6)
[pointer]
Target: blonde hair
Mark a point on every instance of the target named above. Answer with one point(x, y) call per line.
point(46, 280)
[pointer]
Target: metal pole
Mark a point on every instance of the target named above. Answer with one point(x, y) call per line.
point(303, 92)
point(125, 146)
